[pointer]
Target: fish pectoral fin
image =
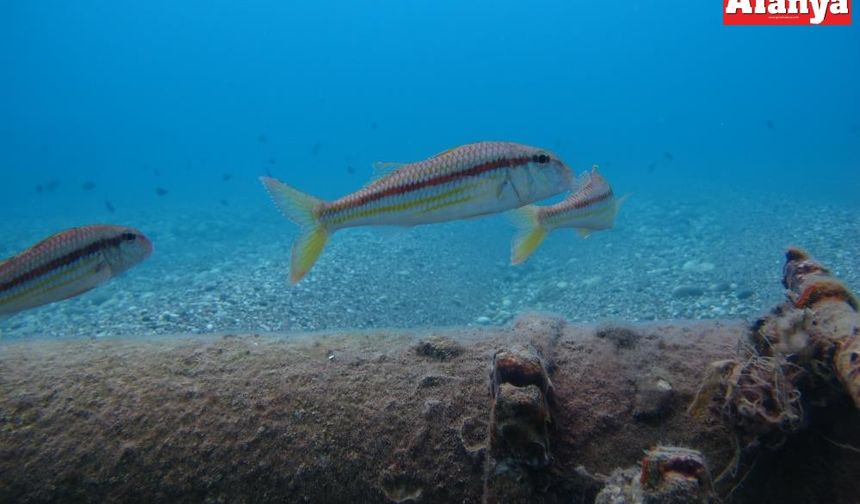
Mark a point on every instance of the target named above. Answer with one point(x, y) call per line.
point(501, 189)
point(583, 232)
point(101, 274)
point(382, 169)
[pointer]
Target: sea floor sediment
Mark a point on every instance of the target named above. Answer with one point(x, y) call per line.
point(711, 257)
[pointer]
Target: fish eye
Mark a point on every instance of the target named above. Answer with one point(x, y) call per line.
point(541, 159)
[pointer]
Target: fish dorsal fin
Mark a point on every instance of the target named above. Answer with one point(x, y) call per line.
point(580, 181)
point(589, 177)
point(446, 151)
point(583, 232)
point(384, 168)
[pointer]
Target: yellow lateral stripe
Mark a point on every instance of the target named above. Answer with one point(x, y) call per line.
point(46, 284)
point(398, 207)
point(567, 219)
point(440, 206)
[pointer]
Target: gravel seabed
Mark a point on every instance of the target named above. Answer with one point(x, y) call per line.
point(226, 270)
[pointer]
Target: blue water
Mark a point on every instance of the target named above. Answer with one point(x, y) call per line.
point(199, 98)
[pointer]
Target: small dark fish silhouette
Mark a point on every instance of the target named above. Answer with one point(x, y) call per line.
point(88, 186)
point(226, 177)
point(272, 160)
point(350, 170)
point(160, 191)
point(224, 202)
point(373, 125)
point(316, 149)
point(652, 167)
point(668, 156)
point(109, 207)
point(48, 186)
point(263, 139)
point(769, 124)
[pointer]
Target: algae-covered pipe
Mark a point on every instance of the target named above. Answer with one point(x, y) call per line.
point(543, 411)
point(351, 417)
point(834, 307)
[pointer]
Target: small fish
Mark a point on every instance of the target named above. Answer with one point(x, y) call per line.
point(224, 202)
point(591, 208)
point(262, 138)
point(160, 191)
point(668, 155)
point(48, 186)
point(272, 161)
point(88, 186)
point(226, 177)
point(350, 170)
point(770, 124)
point(316, 148)
point(373, 125)
point(467, 181)
point(68, 263)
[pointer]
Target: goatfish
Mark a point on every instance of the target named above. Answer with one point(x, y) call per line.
point(463, 182)
point(67, 264)
point(592, 207)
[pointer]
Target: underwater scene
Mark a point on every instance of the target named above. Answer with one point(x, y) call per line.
point(414, 251)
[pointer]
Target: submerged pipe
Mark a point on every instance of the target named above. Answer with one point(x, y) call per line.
point(543, 411)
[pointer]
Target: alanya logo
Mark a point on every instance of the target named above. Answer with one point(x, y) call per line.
point(787, 12)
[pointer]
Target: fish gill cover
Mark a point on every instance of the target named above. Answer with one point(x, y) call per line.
point(733, 142)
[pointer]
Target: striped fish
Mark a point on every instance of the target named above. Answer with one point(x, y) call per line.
point(467, 181)
point(591, 208)
point(68, 263)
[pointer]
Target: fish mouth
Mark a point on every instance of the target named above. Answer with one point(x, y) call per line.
point(147, 246)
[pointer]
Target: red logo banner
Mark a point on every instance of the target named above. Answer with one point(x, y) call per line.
point(787, 12)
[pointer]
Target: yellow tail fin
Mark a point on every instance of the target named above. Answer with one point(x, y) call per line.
point(303, 210)
point(531, 233)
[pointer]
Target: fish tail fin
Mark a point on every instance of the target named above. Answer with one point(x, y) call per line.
point(302, 209)
point(531, 233)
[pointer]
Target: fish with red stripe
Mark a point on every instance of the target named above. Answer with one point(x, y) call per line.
point(468, 181)
point(592, 207)
point(67, 264)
